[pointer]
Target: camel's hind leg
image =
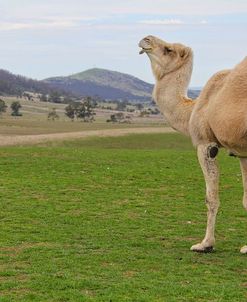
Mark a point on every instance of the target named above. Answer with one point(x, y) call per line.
point(207, 158)
point(243, 165)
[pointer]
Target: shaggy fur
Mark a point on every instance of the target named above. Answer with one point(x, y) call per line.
point(217, 118)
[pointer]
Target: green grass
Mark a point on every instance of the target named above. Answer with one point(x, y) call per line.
point(112, 219)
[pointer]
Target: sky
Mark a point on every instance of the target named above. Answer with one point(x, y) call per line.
point(45, 38)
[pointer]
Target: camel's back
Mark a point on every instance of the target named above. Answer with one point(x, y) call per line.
point(235, 86)
point(230, 91)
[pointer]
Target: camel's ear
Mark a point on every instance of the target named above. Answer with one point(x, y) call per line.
point(183, 52)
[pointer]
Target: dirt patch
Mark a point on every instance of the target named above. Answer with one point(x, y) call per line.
point(14, 250)
point(16, 291)
point(129, 274)
point(18, 277)
point(13, 140)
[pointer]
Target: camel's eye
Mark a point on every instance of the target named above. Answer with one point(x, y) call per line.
point(167, 50)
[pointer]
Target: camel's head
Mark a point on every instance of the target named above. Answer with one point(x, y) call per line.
point(165, 57)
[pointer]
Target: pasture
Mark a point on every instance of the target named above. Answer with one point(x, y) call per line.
point(34, 120)
point(113, 219)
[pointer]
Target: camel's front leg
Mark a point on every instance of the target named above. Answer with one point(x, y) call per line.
point(243, 165)
point(207, 158)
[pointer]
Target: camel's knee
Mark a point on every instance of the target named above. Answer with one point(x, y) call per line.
point(212, 151)
point(207, 158)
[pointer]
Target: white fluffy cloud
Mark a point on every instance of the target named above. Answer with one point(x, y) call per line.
point(162, 22)
point(171, 22)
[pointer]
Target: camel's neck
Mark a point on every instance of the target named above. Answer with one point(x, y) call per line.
point(170, 94)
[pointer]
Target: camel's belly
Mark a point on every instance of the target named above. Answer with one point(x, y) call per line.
point(237, 149)
point(233, 138)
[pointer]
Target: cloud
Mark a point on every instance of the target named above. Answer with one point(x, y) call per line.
point(170, 22)
point(6, 26)
point(68, 18)
point(162, 22)
point(44, 23)
point(9, 26)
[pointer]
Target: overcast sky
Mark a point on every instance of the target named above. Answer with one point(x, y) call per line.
point(44, 38)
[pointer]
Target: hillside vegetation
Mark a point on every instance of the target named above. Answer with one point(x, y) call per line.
point(11, 84)
point(104, 83)
point(107, 84)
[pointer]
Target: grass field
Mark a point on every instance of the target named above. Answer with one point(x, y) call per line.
point(112, 219)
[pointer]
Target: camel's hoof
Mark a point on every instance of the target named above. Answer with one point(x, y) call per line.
point(200, 248)
point(243, 250)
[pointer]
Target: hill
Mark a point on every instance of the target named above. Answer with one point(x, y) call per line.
point(11, 84)
point(106, 84)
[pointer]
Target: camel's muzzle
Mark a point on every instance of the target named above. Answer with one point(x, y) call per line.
point(145, 44)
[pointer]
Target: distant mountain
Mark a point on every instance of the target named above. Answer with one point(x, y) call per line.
point(11, 84)
point(107, 84)
point(104, 83)
point(193, 93)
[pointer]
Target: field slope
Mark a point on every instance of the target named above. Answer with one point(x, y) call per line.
point(112, 219)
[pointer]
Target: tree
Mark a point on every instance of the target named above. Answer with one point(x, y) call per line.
point(3, 106)
point(52, 115)
point(112, 119)
point(144, 113)
point(70, 111)
point(85, 111)
point(116, 118)
point(28, 96)
point(81, 110)
point(92, 101)
point(55, 97)
point(15, 107)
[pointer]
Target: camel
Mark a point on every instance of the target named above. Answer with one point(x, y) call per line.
point(216, 119)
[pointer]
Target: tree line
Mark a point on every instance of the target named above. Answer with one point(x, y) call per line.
point(11, 84)
point(15, 107)
point(84, 110)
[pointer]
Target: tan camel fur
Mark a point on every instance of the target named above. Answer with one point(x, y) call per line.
point(217, 118)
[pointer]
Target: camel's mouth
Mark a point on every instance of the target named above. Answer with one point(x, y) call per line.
point(143, 50)
point(145, 45)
